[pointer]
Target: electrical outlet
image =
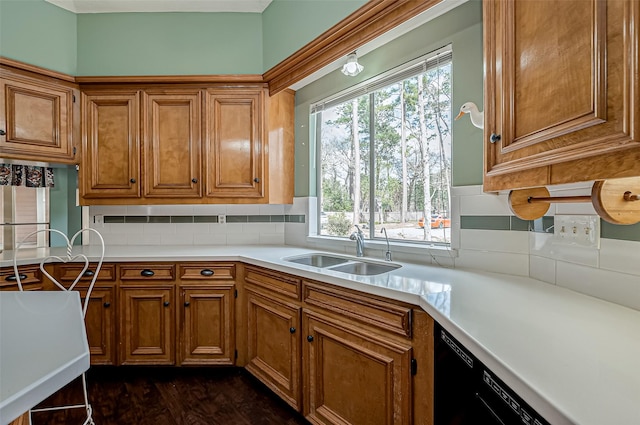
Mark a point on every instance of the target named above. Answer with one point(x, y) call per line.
point(581, 230)
point(98, 220)
point(222, 219)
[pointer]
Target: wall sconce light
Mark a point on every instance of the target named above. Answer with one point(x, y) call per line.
point(352, 67)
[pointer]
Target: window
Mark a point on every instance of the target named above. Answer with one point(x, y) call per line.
point(385, 155)
point(23, 210)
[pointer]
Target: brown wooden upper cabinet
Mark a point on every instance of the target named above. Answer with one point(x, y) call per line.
point(234, 143)
point(151, 145)
point(562, 89)
point(172, 138)
point(37, 117)
point(111, 139)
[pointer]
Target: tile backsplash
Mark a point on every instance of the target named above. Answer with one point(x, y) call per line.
point(486, 236)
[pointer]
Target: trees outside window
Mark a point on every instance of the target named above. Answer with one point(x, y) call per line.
point(385, 155)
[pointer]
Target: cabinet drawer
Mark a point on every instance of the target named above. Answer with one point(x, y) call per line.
point(279, 283)
point(69, 272)
point(30, 277)
point(207, 271)
point(151, 272)
point(371, 311)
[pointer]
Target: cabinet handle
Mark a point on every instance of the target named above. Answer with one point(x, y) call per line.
point(89, 273)
point(207, 272)
point(166, 304)
point(13, 278)
point(147, 273)
point(132, 180)
point(194, 180)
point(310, 338)
point(187, 303)
point(256, 180)
point(494, 138)
point(107, 304)
point(2, 133)
point(292, 330)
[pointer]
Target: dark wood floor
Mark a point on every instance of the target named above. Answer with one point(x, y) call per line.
point(173, 396)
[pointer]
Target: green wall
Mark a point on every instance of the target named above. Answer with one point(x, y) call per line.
point(290, 24)
point(64, 214)
point(38, 33)
point(169, 43)
point(462, 28)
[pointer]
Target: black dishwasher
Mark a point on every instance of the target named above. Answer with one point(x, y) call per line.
point(466, 392)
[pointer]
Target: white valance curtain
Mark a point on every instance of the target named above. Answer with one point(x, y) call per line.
point(26, 175)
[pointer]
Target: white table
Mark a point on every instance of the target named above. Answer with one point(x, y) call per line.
point(43, 347)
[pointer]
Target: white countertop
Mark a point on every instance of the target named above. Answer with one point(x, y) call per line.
point(573, 358)
point(43, 347)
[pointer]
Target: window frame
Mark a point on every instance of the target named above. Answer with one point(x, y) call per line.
point(369, 87)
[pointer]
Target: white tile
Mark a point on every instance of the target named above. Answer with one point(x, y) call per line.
point(620, 288)
point(126, 228)
point(138, 209)
point(295, 234)
point(542, 268)
point(144, 239)
point(244, 238)
point(516, 264)
point(272, 238)
point(271, 209)
point(495, 240)
point(220, 228)
point(258, 227)
point(210, 239)
point(578, 208)
point(177, 239)
point(171, 210)
point(301, 205)
point(193, 228)
point(114, 239)
point(455, 222)
point(159, 228)
point(279, 227)
point(209, 209)
point(485, 204)
point(243, 209)
point(621, 256)
point(545, 245)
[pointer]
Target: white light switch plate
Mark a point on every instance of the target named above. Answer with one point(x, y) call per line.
point(582, 230)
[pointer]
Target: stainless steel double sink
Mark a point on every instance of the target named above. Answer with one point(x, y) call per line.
point(343, 264)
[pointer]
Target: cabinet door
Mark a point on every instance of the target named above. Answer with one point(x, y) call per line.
point(147, 326)
point(111, 144)
point(207, 324)
point(37, 117)
point(172, 140)
point(100, 323)
point(352, 376)
point(234, 143)
point(561, 91)
point(274, 345)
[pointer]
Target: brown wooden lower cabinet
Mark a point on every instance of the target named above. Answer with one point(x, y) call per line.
point(353, 376)
point(273, 330)
point(147, 326)
point(100, 322)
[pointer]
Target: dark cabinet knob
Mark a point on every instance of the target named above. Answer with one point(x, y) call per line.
point(166, 303)
point(494, 137)
point(292, 330)
point(194, 180)
point(187, 303)
point(206, 272)
point(256, 180)
point(107, 304)
point(132, 180)
point(89, 273)
point(13, 278)
point(147, 273)
point(2, 133)
point(310, 338)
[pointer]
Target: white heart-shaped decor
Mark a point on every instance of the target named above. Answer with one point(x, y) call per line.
point(65, 259)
